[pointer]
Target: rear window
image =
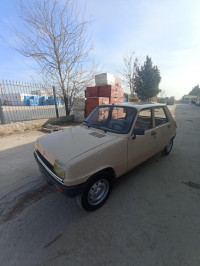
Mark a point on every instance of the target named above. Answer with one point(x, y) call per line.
point(160, 116)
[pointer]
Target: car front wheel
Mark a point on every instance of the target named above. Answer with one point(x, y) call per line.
point(96, 191)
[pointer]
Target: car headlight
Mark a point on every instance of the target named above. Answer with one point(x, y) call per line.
point(36, 145)
point(59, 169)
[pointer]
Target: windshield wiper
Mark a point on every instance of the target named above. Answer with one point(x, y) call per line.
point(104, 129)
point(98, 127)
point(86, 123)
point(94, 126)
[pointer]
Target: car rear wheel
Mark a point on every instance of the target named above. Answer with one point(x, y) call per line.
point(96, 191)
point(168, 148)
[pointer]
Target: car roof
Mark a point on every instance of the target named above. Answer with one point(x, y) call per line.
point(138, 105)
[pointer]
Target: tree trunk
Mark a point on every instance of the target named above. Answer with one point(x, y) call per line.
point(66, 104)
point(65, 100)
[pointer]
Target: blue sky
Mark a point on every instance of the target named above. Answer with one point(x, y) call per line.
point(168, 31)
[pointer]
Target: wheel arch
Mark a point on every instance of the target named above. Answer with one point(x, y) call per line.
point(108, 170)
point(111, 172)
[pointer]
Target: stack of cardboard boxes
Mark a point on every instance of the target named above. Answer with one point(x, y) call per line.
point(108, 90)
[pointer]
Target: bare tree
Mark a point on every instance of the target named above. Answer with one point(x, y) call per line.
point(129, 70)
point(54, 35)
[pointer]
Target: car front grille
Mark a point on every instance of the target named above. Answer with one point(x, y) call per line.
point(47, 163)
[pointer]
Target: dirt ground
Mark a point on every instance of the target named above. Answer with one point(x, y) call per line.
point(151, 218)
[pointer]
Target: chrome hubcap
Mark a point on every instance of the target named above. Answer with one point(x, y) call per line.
point(98, 192)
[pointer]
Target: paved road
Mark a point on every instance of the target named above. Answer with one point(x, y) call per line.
point(151, 218)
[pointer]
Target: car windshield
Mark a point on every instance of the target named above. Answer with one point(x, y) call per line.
point(111, 118)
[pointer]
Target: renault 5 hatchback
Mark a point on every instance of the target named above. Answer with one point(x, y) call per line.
point(85, 160)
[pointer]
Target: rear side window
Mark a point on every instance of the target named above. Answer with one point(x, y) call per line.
point(144, 120)
point(160, 116)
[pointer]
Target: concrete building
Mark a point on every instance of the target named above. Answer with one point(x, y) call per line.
point(188, 98)
point(13, 99)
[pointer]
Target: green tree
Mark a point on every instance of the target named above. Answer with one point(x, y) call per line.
point(195, 91)
point(147, 80)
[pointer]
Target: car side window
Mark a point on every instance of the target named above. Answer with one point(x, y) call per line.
point(160, 116)
point(144, 120)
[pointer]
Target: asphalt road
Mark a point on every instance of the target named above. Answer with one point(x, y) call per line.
point(151, 218)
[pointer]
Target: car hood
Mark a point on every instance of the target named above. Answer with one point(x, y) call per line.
point(67, 144)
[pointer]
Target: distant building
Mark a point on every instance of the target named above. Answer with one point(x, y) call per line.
point(13, 99)
point(41, 93)
point(19, 98)
point(188, 98)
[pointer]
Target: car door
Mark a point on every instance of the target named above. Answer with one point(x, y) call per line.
point(163, 128)
point(142, 147)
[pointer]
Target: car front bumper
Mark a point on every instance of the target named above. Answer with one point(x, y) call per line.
point(52, 179)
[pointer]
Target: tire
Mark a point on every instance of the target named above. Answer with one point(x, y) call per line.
point(168, 148)
point(96, 191)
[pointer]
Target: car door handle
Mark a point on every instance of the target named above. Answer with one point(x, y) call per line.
point(153, 133)
point(169, 126)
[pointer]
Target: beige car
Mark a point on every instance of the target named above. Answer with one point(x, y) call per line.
point(84, 161)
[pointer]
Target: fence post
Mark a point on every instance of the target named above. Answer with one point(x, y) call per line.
point(1, 113)
point(55, 100)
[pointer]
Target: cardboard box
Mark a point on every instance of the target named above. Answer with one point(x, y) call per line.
point(92, 92)
point(116, 100)
point(104, 79)
point(117, 81)
point(95, 101)
point(110, 91)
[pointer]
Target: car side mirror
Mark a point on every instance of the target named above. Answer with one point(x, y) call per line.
point(137, 132)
